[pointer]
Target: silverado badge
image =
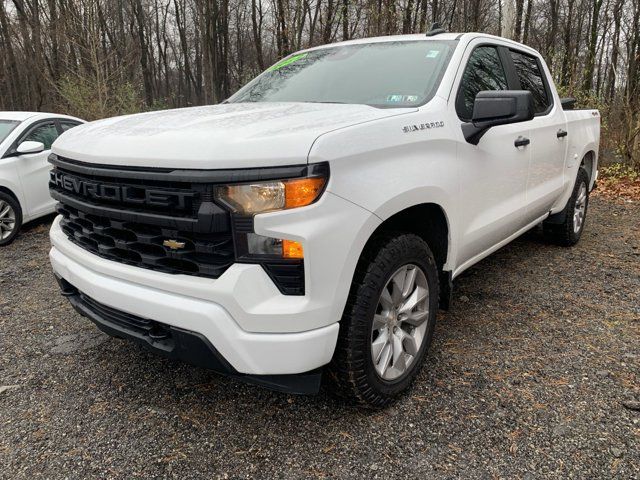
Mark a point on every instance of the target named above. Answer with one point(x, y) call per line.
point(173, 244)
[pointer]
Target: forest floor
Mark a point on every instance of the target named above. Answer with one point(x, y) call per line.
point(534, 372)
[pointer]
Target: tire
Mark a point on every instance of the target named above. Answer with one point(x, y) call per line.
point(566, 227)
point(353, 371)
point(10, 219)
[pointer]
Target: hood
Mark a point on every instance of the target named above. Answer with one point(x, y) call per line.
point(219, 136)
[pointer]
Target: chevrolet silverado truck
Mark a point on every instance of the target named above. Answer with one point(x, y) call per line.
point(311, 225)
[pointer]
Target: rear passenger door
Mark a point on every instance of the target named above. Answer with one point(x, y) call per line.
point(548, 136)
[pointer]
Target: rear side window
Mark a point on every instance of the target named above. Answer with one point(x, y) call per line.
point(45, 133)
point(484, 71)
point(531, 78)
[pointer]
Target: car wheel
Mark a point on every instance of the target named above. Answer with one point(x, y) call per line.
point(10, 218)
point(388, 321)
point(568, 231)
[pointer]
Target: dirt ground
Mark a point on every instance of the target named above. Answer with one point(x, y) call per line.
point(534, 373)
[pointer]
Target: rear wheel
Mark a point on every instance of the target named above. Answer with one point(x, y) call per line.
point(10, 218)
point(568, 230)
point(388, 322)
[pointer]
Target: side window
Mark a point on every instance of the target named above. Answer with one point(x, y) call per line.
point(45, 133)
point(531, 78)
point(484, 71)
point(68, 126)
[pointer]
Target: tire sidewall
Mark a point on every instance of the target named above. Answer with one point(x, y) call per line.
point(424, 260)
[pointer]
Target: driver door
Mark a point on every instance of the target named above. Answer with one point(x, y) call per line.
point(492, 174)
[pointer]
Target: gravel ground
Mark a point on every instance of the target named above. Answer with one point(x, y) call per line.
point(535, 372)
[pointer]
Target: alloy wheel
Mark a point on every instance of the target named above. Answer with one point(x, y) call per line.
point(580, 208)
point(7, 220)
point(400, 322)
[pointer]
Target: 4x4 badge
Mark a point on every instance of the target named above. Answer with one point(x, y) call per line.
point(173, 244)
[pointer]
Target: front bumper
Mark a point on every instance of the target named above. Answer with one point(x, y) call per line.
point(247, 352)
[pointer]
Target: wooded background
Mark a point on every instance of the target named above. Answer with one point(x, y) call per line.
point(99, 58)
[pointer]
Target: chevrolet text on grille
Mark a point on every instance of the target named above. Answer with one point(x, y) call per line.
point(120, 193)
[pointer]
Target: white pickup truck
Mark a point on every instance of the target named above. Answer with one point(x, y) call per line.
point(313, 222)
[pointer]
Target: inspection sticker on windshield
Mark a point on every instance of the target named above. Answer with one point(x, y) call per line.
point(422, 126)
point(433, 53)
point(402, 98)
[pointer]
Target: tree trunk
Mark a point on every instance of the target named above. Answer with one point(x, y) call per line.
point(144, 52)
point(587, 83)
point(509, 18)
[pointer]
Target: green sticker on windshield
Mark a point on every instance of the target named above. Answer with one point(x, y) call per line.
point(433, 53)
point(287, 61)
point(402, 98)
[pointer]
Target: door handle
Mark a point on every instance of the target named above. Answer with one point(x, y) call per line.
point(562, 133)
point(522, 142)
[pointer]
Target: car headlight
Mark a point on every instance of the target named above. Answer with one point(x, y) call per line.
point(246, 200)
point(261, 197)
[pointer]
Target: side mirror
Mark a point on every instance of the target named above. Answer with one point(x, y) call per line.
point(500, 107)
point(30, 147)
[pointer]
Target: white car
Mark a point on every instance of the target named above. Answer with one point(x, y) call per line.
point(314, 222)
point(25, 145)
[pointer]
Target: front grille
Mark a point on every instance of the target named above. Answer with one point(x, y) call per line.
point(123, 216)
point(135, 216)
point(141, 245)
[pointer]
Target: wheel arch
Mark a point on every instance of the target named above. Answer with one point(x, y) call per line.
point(427, 220)
point(430, 222)
point(10, 192)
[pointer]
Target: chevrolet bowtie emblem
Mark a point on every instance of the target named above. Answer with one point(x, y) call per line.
point(173, 244)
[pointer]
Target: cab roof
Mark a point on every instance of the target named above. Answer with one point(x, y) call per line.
point(448, 36)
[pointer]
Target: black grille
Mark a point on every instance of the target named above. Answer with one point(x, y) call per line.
point(141, 245)
point(162, 223)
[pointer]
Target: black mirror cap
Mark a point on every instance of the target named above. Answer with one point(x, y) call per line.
point(499, 107)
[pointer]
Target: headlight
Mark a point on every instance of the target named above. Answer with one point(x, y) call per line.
point(275, 191)
point(254, 198)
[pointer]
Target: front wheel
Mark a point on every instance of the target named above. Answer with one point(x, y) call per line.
point(388, 322)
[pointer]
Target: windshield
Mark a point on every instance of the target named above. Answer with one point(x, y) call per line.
point(386, 74)
point(6, 127)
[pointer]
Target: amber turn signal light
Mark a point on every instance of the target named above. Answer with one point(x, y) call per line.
point(291, 249)
point(303, 191)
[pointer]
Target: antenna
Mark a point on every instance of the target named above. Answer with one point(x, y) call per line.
point(436, 29)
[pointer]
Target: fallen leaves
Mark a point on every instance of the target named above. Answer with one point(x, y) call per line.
point(619, 188)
